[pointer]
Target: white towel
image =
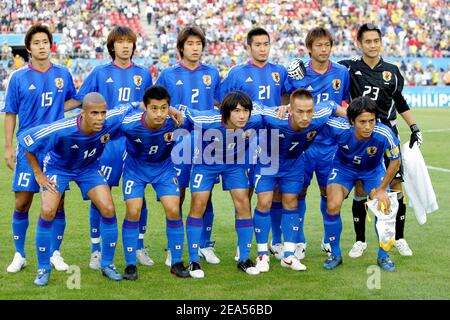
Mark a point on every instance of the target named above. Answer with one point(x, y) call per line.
point(417, 183)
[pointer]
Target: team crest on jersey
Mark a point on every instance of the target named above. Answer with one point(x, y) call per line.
point(336, 84)
point(59, 83)
point(394, 152)
point(372, 150)
point(137, 80)
point(168, 136)
point(311, 135)
point(276, 77)
point(105, 138)
point(387, 76)
point(207, 80)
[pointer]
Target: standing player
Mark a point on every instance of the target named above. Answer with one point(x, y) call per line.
point(382, 82)
point(264, 83)
point(150, 138)
point(327, 81)
point(35, 94)
point(296, 134)
point(119, 81)
point(196, 86)
point(73, 147)
point(361, 147)
point(218, 138)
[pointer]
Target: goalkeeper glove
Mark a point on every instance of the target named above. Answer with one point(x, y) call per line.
point(296, 69)
point(416, 136)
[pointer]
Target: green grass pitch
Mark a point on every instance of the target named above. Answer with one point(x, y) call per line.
point(424, 276)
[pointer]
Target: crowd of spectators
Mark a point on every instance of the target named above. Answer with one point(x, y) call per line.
point(411, 28)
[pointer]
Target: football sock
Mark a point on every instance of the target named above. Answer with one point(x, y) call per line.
point(109, 234)
point(289, 227)
point(333, 229)
point(244, 230)
point(130, 233)
point(142, 226)
point(19, 226)
point(59, 225)
point(261, 222)
point(208, 220)
point(275, 217)
point(400, 219)
point(43, 243)
point(193, 231)
point(94, 221)
point(381, 252)
point(359, 218)
point(175, 238)
point(301, 219)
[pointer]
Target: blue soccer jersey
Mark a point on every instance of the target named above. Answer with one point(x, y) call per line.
point(289, 147)
point(38, 97)
point(67, 147)
point(117, 85)
point(361, 155)
point(264, 85)
point(196, 89)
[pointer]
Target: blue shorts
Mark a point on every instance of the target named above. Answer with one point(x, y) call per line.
point(347, 177)
point(289, 178)
point(318, 158)
point(137, 175)
point(183, 174)
point(86, 178)
point(24, 180)
point(204, 176)
point(111, 160)
point(251, 174)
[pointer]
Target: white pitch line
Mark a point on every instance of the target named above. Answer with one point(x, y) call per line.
point(429, 131)
point(438, 169)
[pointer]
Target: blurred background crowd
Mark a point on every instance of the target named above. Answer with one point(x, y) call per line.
point(416, 33)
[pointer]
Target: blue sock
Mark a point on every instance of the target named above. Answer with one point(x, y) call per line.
point(381, 252)
point(289, 227)
point(244, 230)
point(194, 231)
point(19, 226)
point(59, 225)
point(333, 229)
point(208, 220)
point(94, 221)
point(275, 217)
point(43, 243)
point(175, 237)
point(130, 233)
point(142, 226)
point(301, 218)
point(261, 222)
point(323, 209)
point(109, 233)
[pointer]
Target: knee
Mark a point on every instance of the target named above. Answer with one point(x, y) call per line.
point(173, 213)
point(107, 210)
point(22, 206)
point(333, 207)
point(133, 215)
point(264, 204)
point(48, 212)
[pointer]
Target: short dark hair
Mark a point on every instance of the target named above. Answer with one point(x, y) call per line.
point(36, 28)
point(156, 92)
point(316, 33)
point(258, 31)
point(231, 101)
point(185, 33)
point(359, 106)
point(301, 93)
point(367, 27)
point(119, 33)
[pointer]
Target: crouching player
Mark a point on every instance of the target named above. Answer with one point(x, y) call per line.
point(219, 151)
point(361, 146)
point(149, 141)
point(73, 147)
point(295, 135)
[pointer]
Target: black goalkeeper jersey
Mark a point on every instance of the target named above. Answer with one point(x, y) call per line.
point(383, 83)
